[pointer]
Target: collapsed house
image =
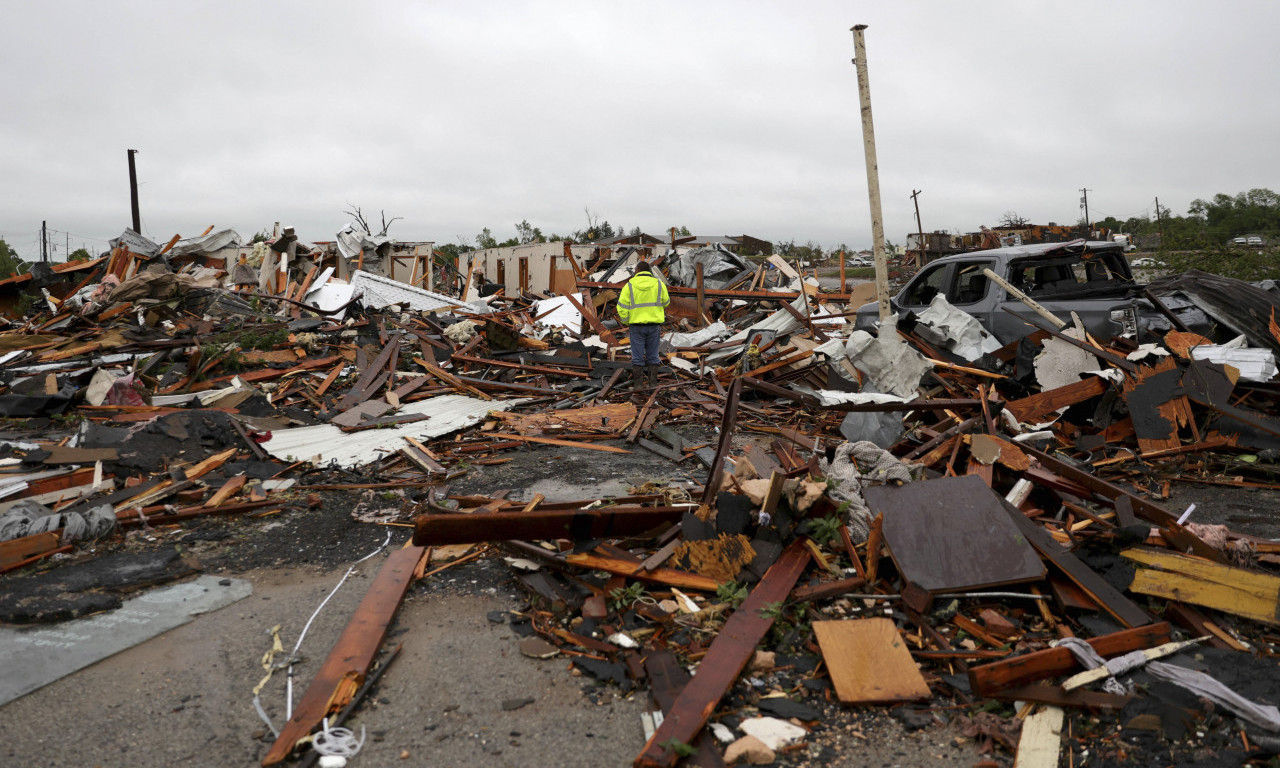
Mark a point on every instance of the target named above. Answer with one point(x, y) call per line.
point(912, 517)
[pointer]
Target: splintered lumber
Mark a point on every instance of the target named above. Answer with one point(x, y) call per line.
point(1041, 739)
point(579, 524)
point(991, 679)
point(1108, 597)
point(561, 443)
point(635, 569)
point(18, 550)
point(666, 679)
point(1148, 654)
point(727, 425)
point(1041, 406)
point(726, 658)
point(869, 662)
point(342, 673)
point(1056, 696)
point(1147, 510)
point(1238, 591)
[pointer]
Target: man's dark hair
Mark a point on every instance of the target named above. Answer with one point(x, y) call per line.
point(643, 266)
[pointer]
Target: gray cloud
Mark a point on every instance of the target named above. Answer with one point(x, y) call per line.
point(725, 117)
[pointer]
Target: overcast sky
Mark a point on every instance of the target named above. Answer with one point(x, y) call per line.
point(726, 117)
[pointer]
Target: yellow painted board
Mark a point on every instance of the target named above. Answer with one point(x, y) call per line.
point(1204, 570)
point(1235, 599)
point(869, 662)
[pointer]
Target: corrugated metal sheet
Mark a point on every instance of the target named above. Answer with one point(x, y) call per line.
point(445, 414)
point(381, 291)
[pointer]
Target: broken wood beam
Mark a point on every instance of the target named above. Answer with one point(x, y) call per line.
point(990, 679)
point(344, 670)
point(579, 524)
point(728, 655)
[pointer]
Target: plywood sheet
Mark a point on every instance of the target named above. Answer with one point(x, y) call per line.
point(869, 662)
point(952, 534)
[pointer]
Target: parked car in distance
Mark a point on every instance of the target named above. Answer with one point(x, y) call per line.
point(1146, 262)
point(858, 261)
point(1254, 240)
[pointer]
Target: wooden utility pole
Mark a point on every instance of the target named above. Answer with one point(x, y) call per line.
point(873, 172)
point(1084, 203)
point(133, 192)
point(1159, 221)
point(915, 194)
point(44, 241)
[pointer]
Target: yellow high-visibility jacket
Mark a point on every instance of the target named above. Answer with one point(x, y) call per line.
point(642, 300)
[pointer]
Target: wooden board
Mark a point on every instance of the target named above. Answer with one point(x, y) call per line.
point(989, 679)
point(15, 551)
point(1237, 591)
point(1108, 597)
point(952, 534)
point(869, 662)
point(1041, 739)
point(347, 664)
point(728, 655)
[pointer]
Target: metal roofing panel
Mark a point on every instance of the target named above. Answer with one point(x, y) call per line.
point(325, 443)
point(381, 291)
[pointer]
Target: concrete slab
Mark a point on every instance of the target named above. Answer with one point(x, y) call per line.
point(33, 657)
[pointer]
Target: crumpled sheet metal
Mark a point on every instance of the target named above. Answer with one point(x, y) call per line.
point(892, 365)
point(382, 291)
point(955, 330)
point(326, 443)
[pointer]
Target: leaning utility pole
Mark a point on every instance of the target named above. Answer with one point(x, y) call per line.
point(915, 194)
point(133, 192)
point(1084, 203)
point(1159, 222)
point(873, 173)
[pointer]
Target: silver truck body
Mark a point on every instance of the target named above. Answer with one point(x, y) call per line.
point(1091, 279)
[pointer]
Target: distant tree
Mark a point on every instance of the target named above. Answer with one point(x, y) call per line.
point(485, 239)
point(1012, 219)
point(358, 215)
point(635, 232)
point(596, 229)
point(80, 254)
point(1224, 217)
point(680, 231)
point(10, 264)
point(259, 237)
point(527, 233)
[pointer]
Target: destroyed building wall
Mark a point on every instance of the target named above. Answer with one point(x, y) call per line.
point(504, 265)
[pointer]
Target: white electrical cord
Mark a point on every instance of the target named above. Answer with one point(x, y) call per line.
point(293, 656)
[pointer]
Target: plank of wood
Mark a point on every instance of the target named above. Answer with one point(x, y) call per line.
point(1111, 599)
point(227, 490)
point(1041, 406)
point(868, 661)
point(577, 524)
point(1054, 694)
point(728, 654)
point(1041, 739)
point(989, 679)
point(561, 443)
point(16, 550)
point(349, 660)
point(1239, 599)
point(635, 570)
point(666, 679)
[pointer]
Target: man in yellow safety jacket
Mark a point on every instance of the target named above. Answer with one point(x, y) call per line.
point(641, 305)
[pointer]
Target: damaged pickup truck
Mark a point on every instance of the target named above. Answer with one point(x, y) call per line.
point(1092, 279)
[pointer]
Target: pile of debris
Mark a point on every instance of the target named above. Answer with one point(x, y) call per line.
point(918, 518)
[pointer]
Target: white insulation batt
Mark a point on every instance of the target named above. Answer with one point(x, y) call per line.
point(325, 443)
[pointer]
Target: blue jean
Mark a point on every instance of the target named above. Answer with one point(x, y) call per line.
point(644, 344)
